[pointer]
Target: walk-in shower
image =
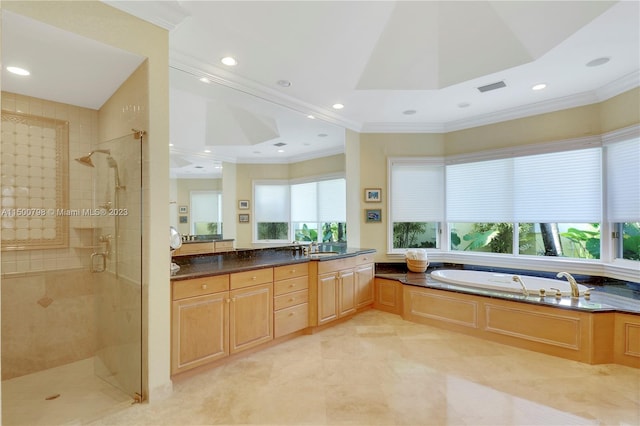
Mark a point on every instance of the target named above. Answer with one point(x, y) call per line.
point(86, 161)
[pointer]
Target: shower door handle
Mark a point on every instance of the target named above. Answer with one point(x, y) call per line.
point(101, 264)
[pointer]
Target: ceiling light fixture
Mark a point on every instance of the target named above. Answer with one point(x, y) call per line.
point(229, 61)
point(338, 106)
point(207, 151)
point(284, 83)
point(539, 86)
point(170, 144)
point(205, 80)
point(281, 150)
point(311, 117)
point(598, 61)
point(18, 71)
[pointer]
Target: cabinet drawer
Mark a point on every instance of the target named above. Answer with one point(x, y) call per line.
point(199, 286)
point(290, 271)
point(223, 246)
point(249, 278)
point(336, 265)
point(362, 259)
point(194, 248)
point(294, 284)
point(291, 319)
point(290, 299)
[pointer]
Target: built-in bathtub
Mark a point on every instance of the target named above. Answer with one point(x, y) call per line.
point(503, 282)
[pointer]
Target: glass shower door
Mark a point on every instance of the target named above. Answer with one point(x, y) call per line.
point(116, 262)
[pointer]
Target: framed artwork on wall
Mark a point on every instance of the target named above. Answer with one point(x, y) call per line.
point(183, 209)
point(373, 195)
point(243, 218)
point(183, 219)
point(373, 215)
point(243, 204)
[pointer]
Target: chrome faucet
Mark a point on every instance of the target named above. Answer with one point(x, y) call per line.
point(517, 279)
point(575, 292)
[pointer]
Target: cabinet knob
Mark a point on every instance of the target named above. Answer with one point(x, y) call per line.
point(254, 278)
point(291, 314)
point(228, 300)
point(293, 271)
point(291, 299)
point(204, 286)
point(291, 285)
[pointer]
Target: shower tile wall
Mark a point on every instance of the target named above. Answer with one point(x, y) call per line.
point(47, 298)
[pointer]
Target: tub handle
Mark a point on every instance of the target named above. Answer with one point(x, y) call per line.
point(558, 292)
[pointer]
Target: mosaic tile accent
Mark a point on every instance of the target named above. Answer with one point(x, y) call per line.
point(34, 166)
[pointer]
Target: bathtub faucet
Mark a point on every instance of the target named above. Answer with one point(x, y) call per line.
point(575, 292)
point(516, 278)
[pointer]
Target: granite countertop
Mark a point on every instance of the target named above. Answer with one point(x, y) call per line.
point(207, 240)
point(600, 301)
point(248, 259)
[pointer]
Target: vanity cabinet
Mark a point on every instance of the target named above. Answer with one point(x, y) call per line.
point(214, 317)
point(291, 298)
point(364, 276)
point(336, 289)
point(200, 322)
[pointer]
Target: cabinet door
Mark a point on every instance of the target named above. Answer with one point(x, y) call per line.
point(347, 294)
point(251, 317)
point(364, 285)
point(327, 297)
point(200, 331)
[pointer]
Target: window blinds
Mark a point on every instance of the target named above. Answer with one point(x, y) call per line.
point(322, 201)
point(623, 181)
point(557, 187)
point(271, 202)
point(417, 192)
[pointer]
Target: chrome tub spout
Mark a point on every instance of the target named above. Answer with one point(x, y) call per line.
point(517, 279)
point(575, 292)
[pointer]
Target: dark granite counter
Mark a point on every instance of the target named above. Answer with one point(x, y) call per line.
point(256, 258)
point(600, 301)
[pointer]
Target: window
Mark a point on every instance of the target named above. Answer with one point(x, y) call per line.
point(623, 199)
point(416, 203)
point(318, 211)
point(271, 209)
point(553, 200)
point(305, 211)
point(206, 212)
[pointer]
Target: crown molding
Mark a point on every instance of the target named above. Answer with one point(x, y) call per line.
point(167, 14)
point(621, 85)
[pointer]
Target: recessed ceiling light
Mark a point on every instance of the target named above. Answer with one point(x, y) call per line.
point(207, 151)
point(281, 150)
point(464, 105)
point(205, 80)
point(598, 61)
point(338, 106)
point(170, 144)
point(409, 112)
point(284, 83)
point(538, 86)
point(229, 61)
point(311, 117)
point(18, 71)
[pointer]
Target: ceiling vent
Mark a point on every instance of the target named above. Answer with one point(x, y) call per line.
point(279, 144)
point(492, 86)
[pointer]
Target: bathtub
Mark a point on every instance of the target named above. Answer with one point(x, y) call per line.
point(503, 282)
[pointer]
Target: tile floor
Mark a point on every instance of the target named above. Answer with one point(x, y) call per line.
point(377, 369)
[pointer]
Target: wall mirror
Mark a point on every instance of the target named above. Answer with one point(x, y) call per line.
point(213, 124)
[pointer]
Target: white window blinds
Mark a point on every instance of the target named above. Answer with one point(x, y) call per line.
point(558, 187)
point(417, 192)
point(271, 202)
point(480, 191)
point(205, 207)
point(322, 201)
point(304, 202)
point(623, 181)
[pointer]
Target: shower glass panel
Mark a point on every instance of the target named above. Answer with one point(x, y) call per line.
point(115, 261)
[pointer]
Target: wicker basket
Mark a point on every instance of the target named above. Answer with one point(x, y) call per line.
point(417, 265)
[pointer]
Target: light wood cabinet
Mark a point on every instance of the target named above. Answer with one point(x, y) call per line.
point(291, 298)
point(213, 317)
point(200, 322)
point(364, 275)
point(388, 296)
point(336, 289)
point(204, 247)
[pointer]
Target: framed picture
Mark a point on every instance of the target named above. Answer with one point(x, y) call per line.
point(183, 209)
point(373, 195)
point(373, 215)
point(243, 204)
point(183, 219)
point(243, 218)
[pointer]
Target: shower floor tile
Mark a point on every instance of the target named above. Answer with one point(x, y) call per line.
point(83, 397)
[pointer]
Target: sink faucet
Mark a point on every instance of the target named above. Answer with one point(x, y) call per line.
point(575, 292)
point(516, 278)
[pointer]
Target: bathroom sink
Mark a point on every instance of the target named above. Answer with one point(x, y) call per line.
point(322, 254)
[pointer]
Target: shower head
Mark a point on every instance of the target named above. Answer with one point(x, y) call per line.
point(86, 160)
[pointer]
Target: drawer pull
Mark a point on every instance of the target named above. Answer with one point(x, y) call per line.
point(228, 300)
point(204, 286)
point(291, 285)
point(291, 299)
point(291, 314)
point(254, 278)
point(293, 271)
